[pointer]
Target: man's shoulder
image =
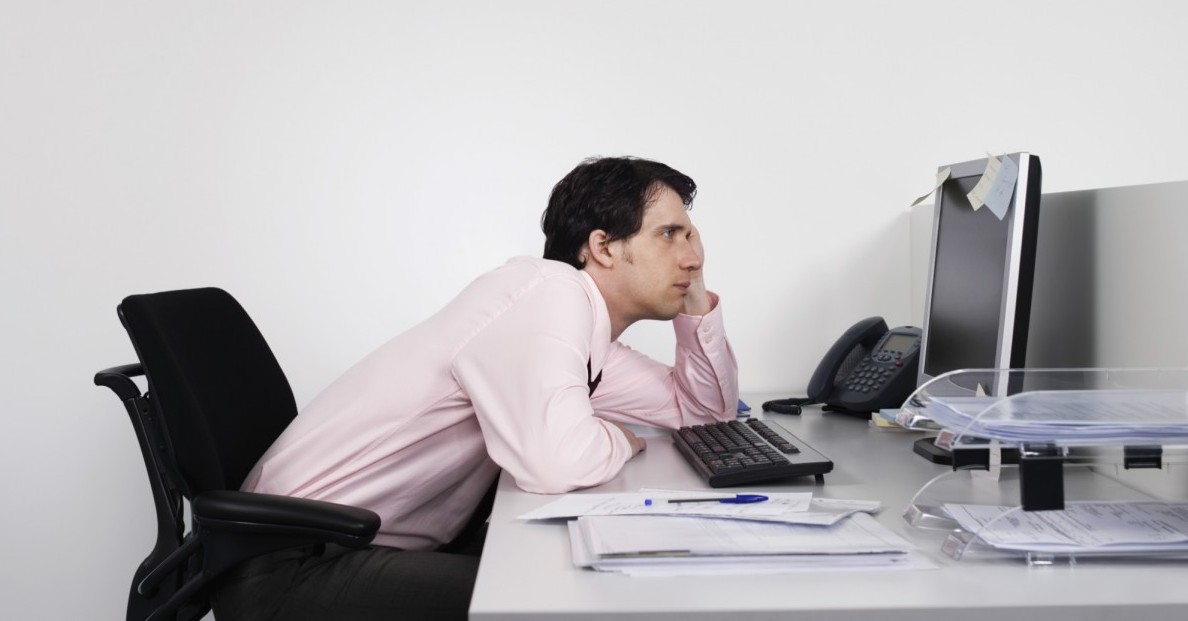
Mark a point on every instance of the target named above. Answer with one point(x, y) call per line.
point(551, 287)
point(531, 268)
point(532, 277)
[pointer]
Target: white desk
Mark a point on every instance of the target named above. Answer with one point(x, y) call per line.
point(526, 570)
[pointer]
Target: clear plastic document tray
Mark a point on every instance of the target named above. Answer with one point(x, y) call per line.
point(1037, 457)
point(1062, 407)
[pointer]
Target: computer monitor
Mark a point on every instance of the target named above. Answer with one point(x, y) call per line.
point(980, 274)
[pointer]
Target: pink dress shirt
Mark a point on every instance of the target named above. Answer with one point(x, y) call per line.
point(418, 430)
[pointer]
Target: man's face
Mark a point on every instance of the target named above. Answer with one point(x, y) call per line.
point(654, 264)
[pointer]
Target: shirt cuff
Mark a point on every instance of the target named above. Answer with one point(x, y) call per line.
point(700, 332)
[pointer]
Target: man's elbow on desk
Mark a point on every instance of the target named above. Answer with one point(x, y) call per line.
point(556, 482)
point(557, 471)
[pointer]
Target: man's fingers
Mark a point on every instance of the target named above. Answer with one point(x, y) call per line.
point(637, 443)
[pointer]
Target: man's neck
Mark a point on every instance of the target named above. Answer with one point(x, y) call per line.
point(619, 319)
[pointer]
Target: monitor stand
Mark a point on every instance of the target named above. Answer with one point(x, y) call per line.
point(927, 448)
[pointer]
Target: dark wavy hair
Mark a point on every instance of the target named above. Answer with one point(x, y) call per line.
point(609, 193)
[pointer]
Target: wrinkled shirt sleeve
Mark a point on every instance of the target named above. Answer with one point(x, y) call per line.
point(526, 376)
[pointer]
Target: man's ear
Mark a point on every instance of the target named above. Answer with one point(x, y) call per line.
point(598, 249)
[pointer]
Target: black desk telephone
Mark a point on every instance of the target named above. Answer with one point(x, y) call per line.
point(869, 368)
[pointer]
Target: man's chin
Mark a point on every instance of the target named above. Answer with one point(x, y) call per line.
point(673, 313)
point(662, 315)
point(667, 313)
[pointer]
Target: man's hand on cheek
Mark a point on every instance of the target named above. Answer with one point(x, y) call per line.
point(697, 300)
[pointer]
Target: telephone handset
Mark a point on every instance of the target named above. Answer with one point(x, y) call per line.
point(869, 368)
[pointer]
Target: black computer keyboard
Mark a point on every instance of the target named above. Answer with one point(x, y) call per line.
point(737, 453)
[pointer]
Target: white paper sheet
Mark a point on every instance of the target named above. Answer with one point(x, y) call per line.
point(636, 503)
point(868, 533)
point(1081, 526)
point(638, 535)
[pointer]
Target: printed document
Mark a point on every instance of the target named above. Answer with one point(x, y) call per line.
point(787, 507)
point(670, 546)
point(643, 535)
point(1135, 526)
point(1066, 415)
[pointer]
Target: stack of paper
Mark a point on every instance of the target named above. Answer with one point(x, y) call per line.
point(662, 545)
point(789, 532)
point(888, 420)
point(1082, 528)
point(1110, 415)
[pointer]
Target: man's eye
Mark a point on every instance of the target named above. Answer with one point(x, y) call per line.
point(668, 233)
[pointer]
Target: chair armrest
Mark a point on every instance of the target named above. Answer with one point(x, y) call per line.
point(273, 515)
point(119, 380)
point(232, 526)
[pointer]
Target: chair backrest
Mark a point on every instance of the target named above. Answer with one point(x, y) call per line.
point(215, 385)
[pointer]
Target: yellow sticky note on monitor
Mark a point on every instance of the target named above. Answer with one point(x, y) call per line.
point(996, 187)
point(941, 176)
point(977, 196)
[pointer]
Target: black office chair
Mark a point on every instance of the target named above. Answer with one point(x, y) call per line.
point(215, 401)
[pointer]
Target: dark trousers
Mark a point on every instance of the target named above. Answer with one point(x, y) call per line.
point(317, 583)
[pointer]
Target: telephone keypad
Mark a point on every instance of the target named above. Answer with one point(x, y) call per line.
point(870, 376)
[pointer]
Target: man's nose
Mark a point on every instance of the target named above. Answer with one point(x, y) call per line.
point(689, 258)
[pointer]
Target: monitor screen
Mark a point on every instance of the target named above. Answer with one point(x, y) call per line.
point(980, 274)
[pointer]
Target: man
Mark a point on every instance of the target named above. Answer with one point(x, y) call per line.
point(523, 372)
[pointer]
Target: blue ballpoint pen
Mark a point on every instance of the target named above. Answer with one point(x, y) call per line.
point(738, 499)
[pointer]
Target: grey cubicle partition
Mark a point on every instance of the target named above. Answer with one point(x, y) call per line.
point(1112, 278)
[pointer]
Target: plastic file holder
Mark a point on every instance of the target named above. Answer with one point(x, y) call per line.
point(1074, 430)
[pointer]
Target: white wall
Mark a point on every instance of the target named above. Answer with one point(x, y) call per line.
point(344, 168)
